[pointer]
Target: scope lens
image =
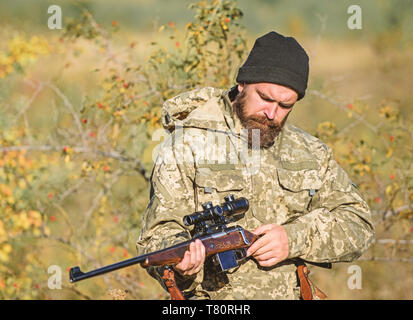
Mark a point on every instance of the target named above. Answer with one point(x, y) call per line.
point(188, 220)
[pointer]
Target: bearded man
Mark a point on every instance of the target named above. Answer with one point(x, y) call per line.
point(302, 203)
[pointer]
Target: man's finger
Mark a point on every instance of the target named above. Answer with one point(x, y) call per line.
point(199, 254)
point(269, 263)
point(182, 265)
point(195, 251)
point(193, 259)
point(266, 255)
point(263, 229)
point(257, 245)
point(198, 247)
point(200, 258)
point(264, 250)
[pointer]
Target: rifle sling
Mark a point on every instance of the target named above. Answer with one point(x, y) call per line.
point(308, 290)
point(169, 280)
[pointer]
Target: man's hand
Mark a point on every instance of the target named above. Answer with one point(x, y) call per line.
point(272, 247)
point(193, 260)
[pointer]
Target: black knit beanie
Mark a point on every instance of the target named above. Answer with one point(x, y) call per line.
point(276, 59)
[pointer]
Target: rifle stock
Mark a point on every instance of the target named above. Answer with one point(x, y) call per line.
point(237, 238)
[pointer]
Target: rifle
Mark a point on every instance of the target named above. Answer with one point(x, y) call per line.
point(226, 245)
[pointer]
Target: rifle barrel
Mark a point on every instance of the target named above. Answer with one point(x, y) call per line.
point(76, 274)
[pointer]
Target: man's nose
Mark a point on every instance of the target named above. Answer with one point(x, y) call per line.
point(271, 110)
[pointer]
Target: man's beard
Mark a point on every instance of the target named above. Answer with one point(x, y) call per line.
point(268, 130)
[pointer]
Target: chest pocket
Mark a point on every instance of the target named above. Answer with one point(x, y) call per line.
point(299, 183)
point(213, 182)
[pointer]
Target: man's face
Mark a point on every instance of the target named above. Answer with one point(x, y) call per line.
point(264, 106)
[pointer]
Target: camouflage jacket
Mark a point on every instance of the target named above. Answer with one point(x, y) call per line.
point(295, 183)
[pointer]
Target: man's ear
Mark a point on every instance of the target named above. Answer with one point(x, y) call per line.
point(240, 86)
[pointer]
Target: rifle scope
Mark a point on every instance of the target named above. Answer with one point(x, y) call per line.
point(230, 207)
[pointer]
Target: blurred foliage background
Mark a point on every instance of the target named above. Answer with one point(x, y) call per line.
point(78, 107)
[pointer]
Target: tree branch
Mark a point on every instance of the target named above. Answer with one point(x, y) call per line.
point(106, 154)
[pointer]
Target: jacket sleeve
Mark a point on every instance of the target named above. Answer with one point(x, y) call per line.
point(338, 227)
point(172, 197)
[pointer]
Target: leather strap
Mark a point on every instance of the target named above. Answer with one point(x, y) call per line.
point(308, 290)
point(169, 280)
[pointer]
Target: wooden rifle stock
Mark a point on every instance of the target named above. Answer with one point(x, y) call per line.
point(236, 238)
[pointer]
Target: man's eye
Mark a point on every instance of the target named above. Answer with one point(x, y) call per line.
point(265, 99)
point(280, 104)
point(285, 106)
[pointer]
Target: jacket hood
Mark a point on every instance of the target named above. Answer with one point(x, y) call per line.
point(201, 108)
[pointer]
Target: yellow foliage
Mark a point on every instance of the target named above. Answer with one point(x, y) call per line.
point(5, 190)
point(4, 257)
point(389, 153)
point(46, 231)
point(5, 65)
point(22, 52)
point(5, 250)
point(389, 112)
point(35, 218)
point(3, 233)
point(23, 221)
point(22, 184)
